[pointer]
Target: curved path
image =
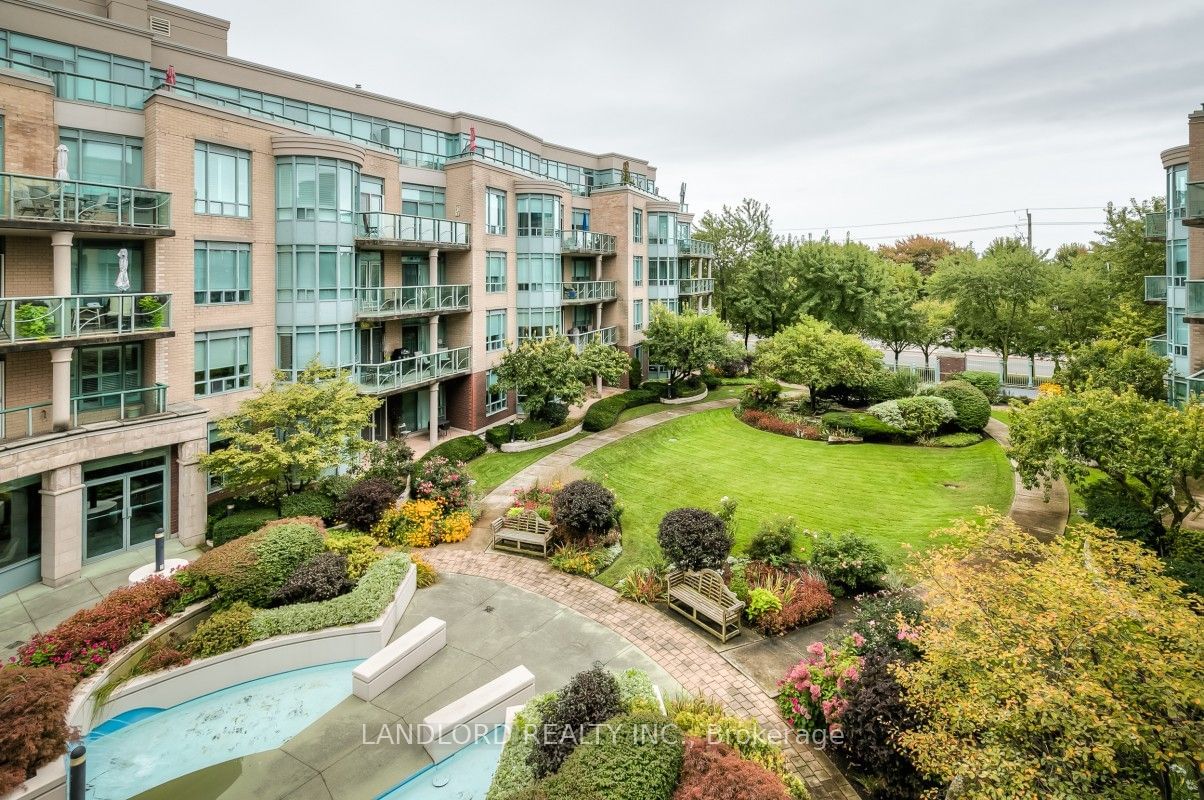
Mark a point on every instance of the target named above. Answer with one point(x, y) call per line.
point(1044, 519)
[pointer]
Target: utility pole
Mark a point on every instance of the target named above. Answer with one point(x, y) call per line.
point(1029, 216)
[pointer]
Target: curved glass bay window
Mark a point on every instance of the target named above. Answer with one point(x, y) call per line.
point(311, 188)
point(539, 214)
point(538, 323)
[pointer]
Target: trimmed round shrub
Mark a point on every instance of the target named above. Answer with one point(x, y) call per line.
point(631, 757)
point(850, 563)
point(240, 523)
point(605, 412)
point(988, 383)
point(774, 542)
point(33, 705)
point(761, 395)
point(970, 405)
point(868, 427)
point(554, 413)
point(658, 388)
point(591, 697)
point(915, 416)
point(584, 507)
point(228, 629)
point(308, 504)
point(715, 771)
point(461, 448)
point(365, 501)
point(694, 539)
point(322, 577)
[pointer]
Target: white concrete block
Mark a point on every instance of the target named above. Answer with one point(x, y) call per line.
point(463, 721)
point(401, 657)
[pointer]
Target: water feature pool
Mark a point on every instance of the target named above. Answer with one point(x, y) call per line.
point(464, 776)
point(143, 748)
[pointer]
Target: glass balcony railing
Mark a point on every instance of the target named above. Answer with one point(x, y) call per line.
point(589, 291)
point(35, 199)
point(409, 228)
point(1193, 306)
point(1155, 226)
point(414, 370)
point(1158, 345)
point(602, 244)
point(1195, 384)
point(1155, 288)
point(1193, 214)
point(695, 247)
point(120, 404)
point(27, 319)
point(399, 300)
point(608, 335)
point(696, 286)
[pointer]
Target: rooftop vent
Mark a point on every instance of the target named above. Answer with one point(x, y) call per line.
point(160, 25)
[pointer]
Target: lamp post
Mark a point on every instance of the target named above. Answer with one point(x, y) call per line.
point(160, 547)
point(77, 782)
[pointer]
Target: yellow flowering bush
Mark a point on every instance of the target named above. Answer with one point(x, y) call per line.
point(422, 523)
point(1051, 389)
point(455, 527)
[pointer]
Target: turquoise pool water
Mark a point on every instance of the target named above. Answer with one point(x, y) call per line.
point(464, 776)
point(143, 748)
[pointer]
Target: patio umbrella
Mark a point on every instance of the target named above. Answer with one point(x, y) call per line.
point(60, 163)
point(123, 270)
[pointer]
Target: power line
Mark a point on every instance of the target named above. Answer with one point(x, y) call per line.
point(941, 219)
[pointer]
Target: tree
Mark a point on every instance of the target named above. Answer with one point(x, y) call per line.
point(1129, 322)
point(552, 369)
point(736, 234)
point(286, 436)
point(814, 355)
point(684, 343)
point(1068, 668)
point(1152, 452)
point(837, 283)
point(894, 319)
point(1109, 364)
point(919, 251)
point(1124, 255)
point(934, 326)
point(602, 362)
point(1075, 307)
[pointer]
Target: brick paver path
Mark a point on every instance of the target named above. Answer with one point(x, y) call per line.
point(685, 656)
point(1030, 510)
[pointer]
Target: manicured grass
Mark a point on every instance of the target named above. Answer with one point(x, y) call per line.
point(493, 469)
point(1004, 415)
point(896, 495)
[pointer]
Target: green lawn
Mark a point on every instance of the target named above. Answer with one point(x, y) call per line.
point(896, 495)
point(493, 469)
point(1004, 415)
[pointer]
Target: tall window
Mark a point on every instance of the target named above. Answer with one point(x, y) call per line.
point(581, 219)
point(305, 273)
point(495, 211)
point(310, 188)
point(495, 330)
point(495, 398)
point(637, 314)
point(102, 157)
point(423, 201)
point(537, 271)
point(659, 228)
point(222, 272)
point(372, 194)
point(538, 214)
point(662, 271)
point(637, 225)
point(222, 361)
point(95, 265)
point(495, 271)
point(537, 323)
point(637, 270)
point(222, 180)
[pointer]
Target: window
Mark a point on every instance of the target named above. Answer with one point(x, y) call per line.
point(583, 269)
point(223, 273)
point(495, 271)
point(222, 180)
point(216, 443)
point(309, 188)
point(495, 330)
point(96, 264)
point(495, 211)
point(306, 274)
point(372, 195)
point(637, 270)
point(538, 323)
point(538, 214)
point(580, 219)
point(538, 272)
point(495, 398)
point(222, 361)
point(637, 314)
point(423, 201)
point(332, 345)
point(662, 271)
point(637, 225)
point(102, 157)
point(658, 228)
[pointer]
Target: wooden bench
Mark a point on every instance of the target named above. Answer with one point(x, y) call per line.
point(702, 598)
point(522, 533)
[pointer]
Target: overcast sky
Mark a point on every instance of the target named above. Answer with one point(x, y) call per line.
point(834, 113)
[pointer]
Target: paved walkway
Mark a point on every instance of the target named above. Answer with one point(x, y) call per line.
point(1045, 519)
point(688, 660)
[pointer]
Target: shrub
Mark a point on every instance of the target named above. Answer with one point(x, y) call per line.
point(971, 407)
point(554, 413)
point(761, 395)
point(365, 501)
point(514, 774)
point(886, 620)
point(283, 549)
point(444, 481)
point(307, 504)
point(1109, 507)
point(605, 412)
point(427, 575)
point(358, 548)
point(804, 598)
point(83, 642)
point(335, 486)
point(711, 381)
point(362, 604)
point(252, 567)
point(868, 427)
point(915, 416)
point(891, 385)
point(160, 656)
point(988, 383)
point(584, 508)
point(694, 539)
point(774, 542)
point(240, 523)
point(322, 577)
point(226, 630)
point(814, 694)
point(957, 439)
point(658, 388)
point(636, 691)
point(33, 705)
point(498, 435)
point(714, 771)
point(574, 560)
point(850, 563)
point(461, 448)
point(194, 588)
point(772, 423)
point(643, 585)
point(633, 757)
point(392, 461)
point(762, 601)
point(590, 698)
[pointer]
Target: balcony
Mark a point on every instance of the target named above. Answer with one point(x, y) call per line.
point(122, 405)
point(1155, 226)
point(1158, 346)
point(1193, 304)
point(408, 232)
point(587, 243)
point(36, 323)
point(412, 371)
point(695, 247)
point(696, 286)
point(31, 204)
point(583, 292)
point(1155, 288)
point(1195, 384)
point(1193, 214)
point(608, 335)
point(393, 302)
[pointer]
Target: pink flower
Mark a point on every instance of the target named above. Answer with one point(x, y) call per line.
point(858, 640)
point(816, 648)
point(815, 692)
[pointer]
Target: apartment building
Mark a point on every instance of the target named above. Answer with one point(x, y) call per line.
point(1181, 287)
point(170, 243)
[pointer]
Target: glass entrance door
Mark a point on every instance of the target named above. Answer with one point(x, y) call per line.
point(125, 505)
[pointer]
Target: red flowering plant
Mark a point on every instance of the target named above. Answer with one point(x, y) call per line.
point(773, 423)
point(444, 481)
point(534, 498)
point(814, 694)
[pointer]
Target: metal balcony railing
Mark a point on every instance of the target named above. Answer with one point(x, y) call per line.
point(696, 286)
point(24, 319)
point(410, 228)
point(1155, 226)
point(608, 335)
point(602, 244)
point(413, 370)
point(1193, 214)
point(399, 300)
point(119, 404)
point(1155, 288)
point(589, 291)
point(29, 198)
point(1193, 306)
point(1158, 345)
point(695, 247)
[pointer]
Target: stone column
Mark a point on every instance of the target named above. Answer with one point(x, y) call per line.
point(62, 524)
point(597, 268)
point(192, 492)
point(60, 388)
point(433, 269)
point(433, 335)
point(433, 424)
point(60, 249)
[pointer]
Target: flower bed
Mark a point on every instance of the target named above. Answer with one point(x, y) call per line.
point(814, 694)
point(422, 523)
point(772, 422)
point(779, 600)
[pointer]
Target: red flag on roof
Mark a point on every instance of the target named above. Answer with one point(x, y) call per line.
point(171, 75)
point(472, 139)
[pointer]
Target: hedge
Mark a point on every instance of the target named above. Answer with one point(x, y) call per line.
point(309, 503)
point(868, 427)
point(240, 523)
point(633, 757)
point(972, 407)
point(462, 448)
point(989, 383)
point(530, 430)
point(605, 412)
